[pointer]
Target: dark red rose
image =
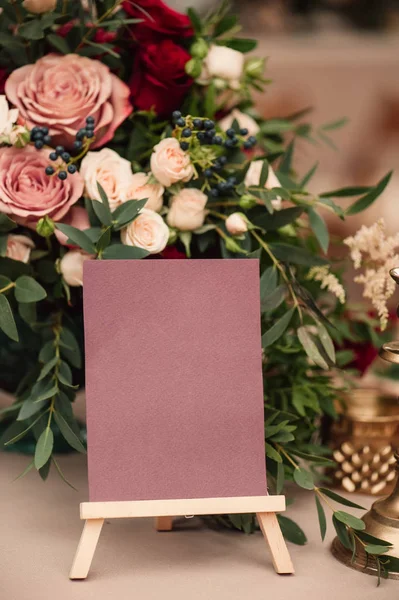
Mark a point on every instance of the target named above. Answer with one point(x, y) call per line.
point(159, 80)
point(101, 36)
point(3, 77)
point(171, 252)
point(158, 21)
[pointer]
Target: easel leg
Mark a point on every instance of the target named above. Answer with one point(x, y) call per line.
point(273, 536)
point(164, 523)
point(86, 548)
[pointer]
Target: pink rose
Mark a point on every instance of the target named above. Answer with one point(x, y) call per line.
point(77, 217)
point(27, 193)
point(71, 267)
point(187, 209)
point(61, 91)
point(236, 224)
point(148, 231)
point(19, 247)
point(140, 189)
point(169, 163)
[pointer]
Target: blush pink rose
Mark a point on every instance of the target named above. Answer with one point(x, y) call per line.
point(71, 267)
point(61, 91)
point(77, 217)
point(19, 247)
point(169, 163)
point(139, 189)
point(187, 209)
point(27, 193)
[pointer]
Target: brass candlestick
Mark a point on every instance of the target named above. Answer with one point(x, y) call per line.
point(382, 520)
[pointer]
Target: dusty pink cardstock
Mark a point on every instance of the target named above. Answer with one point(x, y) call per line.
point(173, 379)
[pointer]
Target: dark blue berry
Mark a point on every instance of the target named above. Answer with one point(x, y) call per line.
point(90, 127)
point(49, 170)
point(35, 130)
point(62, 175)
point(53, 156)
point(244, 131)
point(39, 144)
point(89, 134)
point(197, 123)
point(218, 140)
point(59, 150)
point(176, 114)
point(181, 122)
point(77, 145)
point(214, 192)
point(230, 132)
point(247, 145)
point(90, 120)
point(222, 160)
point(184, 145)
point(208, 124)
point(186, 132)
point(47, 139)
point(44, 130)
point(228, 143)
point(217, 166)
point(208, 172)
point(72, 169)
point(232, 180)
point(252, 139)
point(222, 186)
point(234, 141)
point(81, 134)
point(65, 156)
point(36, 136)
point(211, 132)
point(201, 136)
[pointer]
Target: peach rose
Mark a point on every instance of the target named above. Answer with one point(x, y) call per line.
point(148, 231)
point(19, 247)
point(224, 63)
point(187, 209)
point(169, 163)
point(236, 224)
point(253, 177)
point(77, 217)
point(27, 193)
point(61, 91)
point(39, 6)
point(140, 189)
point(244, 121)
point(113, 173)
point(71, 267)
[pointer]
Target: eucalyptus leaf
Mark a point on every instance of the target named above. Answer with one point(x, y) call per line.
point(374, 549)
point(304, 478)
point(280, 218)
point(319, 228)
point(273, 300)
point(340, 499)
point(272, 453)
point(7, 323)
point(264, 174)
point(366, 200)
point(371, 539)
point(6, 224)
point(310, 347)
point(280, 478)
point(59, 43)
point(102, 212)
point(29, 408)
point(44, 448)
point(277, 329)
point(268, 281)
point(28, 289)
point(291, 531)
point(127, 212)
point(120, 251)
point(68, 433)
point(322, 518)
point(296, 255)
point(342, 533)
point(350, 520)
point(77, 237)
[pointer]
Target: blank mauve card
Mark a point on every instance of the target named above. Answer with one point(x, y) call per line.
point(173, 379)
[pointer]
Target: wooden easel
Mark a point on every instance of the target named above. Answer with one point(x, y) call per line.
point(265, 508)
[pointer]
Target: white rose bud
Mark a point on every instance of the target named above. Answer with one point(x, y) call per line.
point(169, 163)
point(71, 267)
point(148, 231)
point(225, 63)
point(244, 121)
point(39, 6)
point(253, 177)
point(187, 210)
point(19, 247)
point(236, 224)
point(7, 119)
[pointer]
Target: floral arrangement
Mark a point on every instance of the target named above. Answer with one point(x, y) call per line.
point(128, 131)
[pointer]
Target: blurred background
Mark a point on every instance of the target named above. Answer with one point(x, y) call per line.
point(340, 57)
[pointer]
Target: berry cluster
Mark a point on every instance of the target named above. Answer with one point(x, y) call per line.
point(205, 132)
point(40, 136)
point(60, 152)
point(222, 186)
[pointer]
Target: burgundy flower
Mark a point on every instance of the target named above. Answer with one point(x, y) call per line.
point(158, 21)
point(159, 79)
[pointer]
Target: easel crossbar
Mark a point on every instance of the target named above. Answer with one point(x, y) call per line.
point(181, 507)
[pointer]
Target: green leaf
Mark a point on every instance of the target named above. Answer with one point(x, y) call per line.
point(273, 300)
point(47, 368)
point(322, 518)
point(195, 20)
point(350, 520)
point(286, 163)
point(210, 101)
point(29, 408)
point(25, 471)
point(272, 453)
point(304, 479)
point(264, 174)
point(391, 563)
point(342, 533)
point(28, 290)
point(107, 48)
point(327, 342)
point(240, 44)
point(31, 30)
point(44, 448)
point(280, 478)
point(296, 255)
point(6, 224)
point(374, 549)
point(340, 499)
point(291, 531)
point(59, 43)
point(77, 237)
point(310, 347)
point(366, 200)
point(7, 323)
point(102, 212)
point(225, 24)
point(371, 539)
point(68, 433)
point(276, 126)
point(268, 281)
point(335, 124)
point(70, 348)
point(120, 251)
point(309, 175)
point(346, 192)
point(27, 312)
point(255, 254)
point(104, 240)
point(61, 474)
point(47, 352)
point(319, 228)
point(277, 329)
point(127, 212)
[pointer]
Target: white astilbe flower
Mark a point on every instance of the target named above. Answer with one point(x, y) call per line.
point(376, 252)
point(328, 281)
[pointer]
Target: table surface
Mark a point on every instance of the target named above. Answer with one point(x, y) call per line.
point(40, 529)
